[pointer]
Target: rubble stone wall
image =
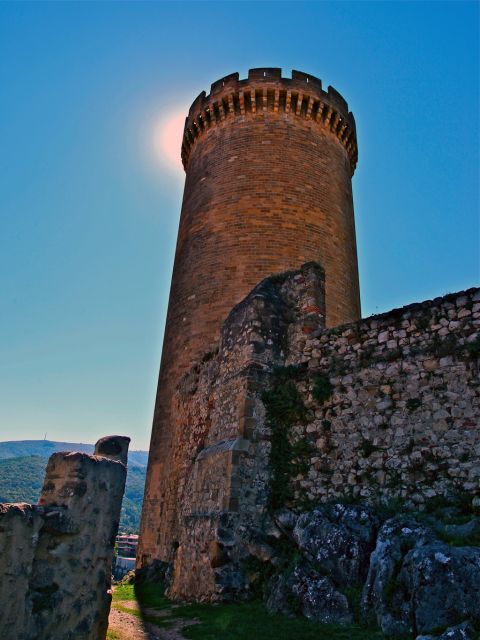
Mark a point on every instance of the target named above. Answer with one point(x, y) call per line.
point(397, 416)
point(403, 417)
point(56, 557)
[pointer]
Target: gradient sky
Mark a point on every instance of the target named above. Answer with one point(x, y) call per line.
point(91, 98)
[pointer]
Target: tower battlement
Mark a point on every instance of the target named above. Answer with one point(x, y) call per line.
point(265, 91)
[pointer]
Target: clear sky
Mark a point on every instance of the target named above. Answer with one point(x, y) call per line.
point(91, 99)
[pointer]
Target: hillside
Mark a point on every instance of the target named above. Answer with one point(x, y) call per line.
point(45, 448)
point(21, 476)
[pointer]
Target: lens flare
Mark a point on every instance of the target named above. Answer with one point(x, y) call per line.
point(168, 139)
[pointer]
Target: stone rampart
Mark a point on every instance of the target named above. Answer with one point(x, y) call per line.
point(288, 413)
point(56, 557)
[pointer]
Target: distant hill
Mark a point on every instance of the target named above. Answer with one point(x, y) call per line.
point(22, 470)
point(45, 448)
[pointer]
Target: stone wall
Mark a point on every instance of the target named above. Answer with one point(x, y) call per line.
point(56, 557)
point(403, 417)
point(387, 407)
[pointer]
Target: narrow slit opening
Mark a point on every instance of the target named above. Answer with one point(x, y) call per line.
point(248, 102)
point(236, 104)
point(293, 103)
point(258, 99)
point(304, 106)
point(270, 99)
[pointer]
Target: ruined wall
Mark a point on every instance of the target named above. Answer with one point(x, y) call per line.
point(269, 162)
point(403, 417)
point(222, 489)
point(385, 407)
point(56, 557)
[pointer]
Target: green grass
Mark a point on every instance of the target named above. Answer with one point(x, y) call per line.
point(234, 621)
point(147, 595)
point(112, 635)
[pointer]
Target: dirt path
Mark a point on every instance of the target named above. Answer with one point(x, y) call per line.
point(126, 626)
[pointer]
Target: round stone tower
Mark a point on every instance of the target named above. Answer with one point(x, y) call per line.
point(268, 162)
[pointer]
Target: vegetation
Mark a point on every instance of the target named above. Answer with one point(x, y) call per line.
point(288, 457)
point(45, 448)
point(21, 479)
point(322, 388)
point(231, 621)
point(413, 404)
point(473, 348)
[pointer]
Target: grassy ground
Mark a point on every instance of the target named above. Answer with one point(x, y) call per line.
point(231, 621)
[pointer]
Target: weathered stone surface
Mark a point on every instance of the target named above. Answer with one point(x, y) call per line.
point(418, 583)
point(20, 525)
point(339, 539)
point(223, 488)
point(464, 631)
point(442, 584)
point(305, 591)
point(56, 557)
point(395, 538)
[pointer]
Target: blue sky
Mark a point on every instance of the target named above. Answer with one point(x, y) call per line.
point(90, 200)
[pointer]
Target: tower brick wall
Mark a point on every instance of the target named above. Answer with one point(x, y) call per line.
point(268, 163)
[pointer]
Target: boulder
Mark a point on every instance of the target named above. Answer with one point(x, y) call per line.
point(464, 631)
point(304, 591)
point(416, 583)
point(443, 585)
point(380, 601)
point(338, 539)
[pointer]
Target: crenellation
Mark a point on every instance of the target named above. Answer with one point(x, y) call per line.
point(197, 104)
point(265, 74)
point(307, 79)
point(301, 93)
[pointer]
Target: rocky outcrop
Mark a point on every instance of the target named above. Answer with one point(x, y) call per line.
point(304, 591)
point(339, 560)
point(417, 583)
point(441, 582)
point(56, 557)
point(382, 601)
point(339, 540)
point(464, 631)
